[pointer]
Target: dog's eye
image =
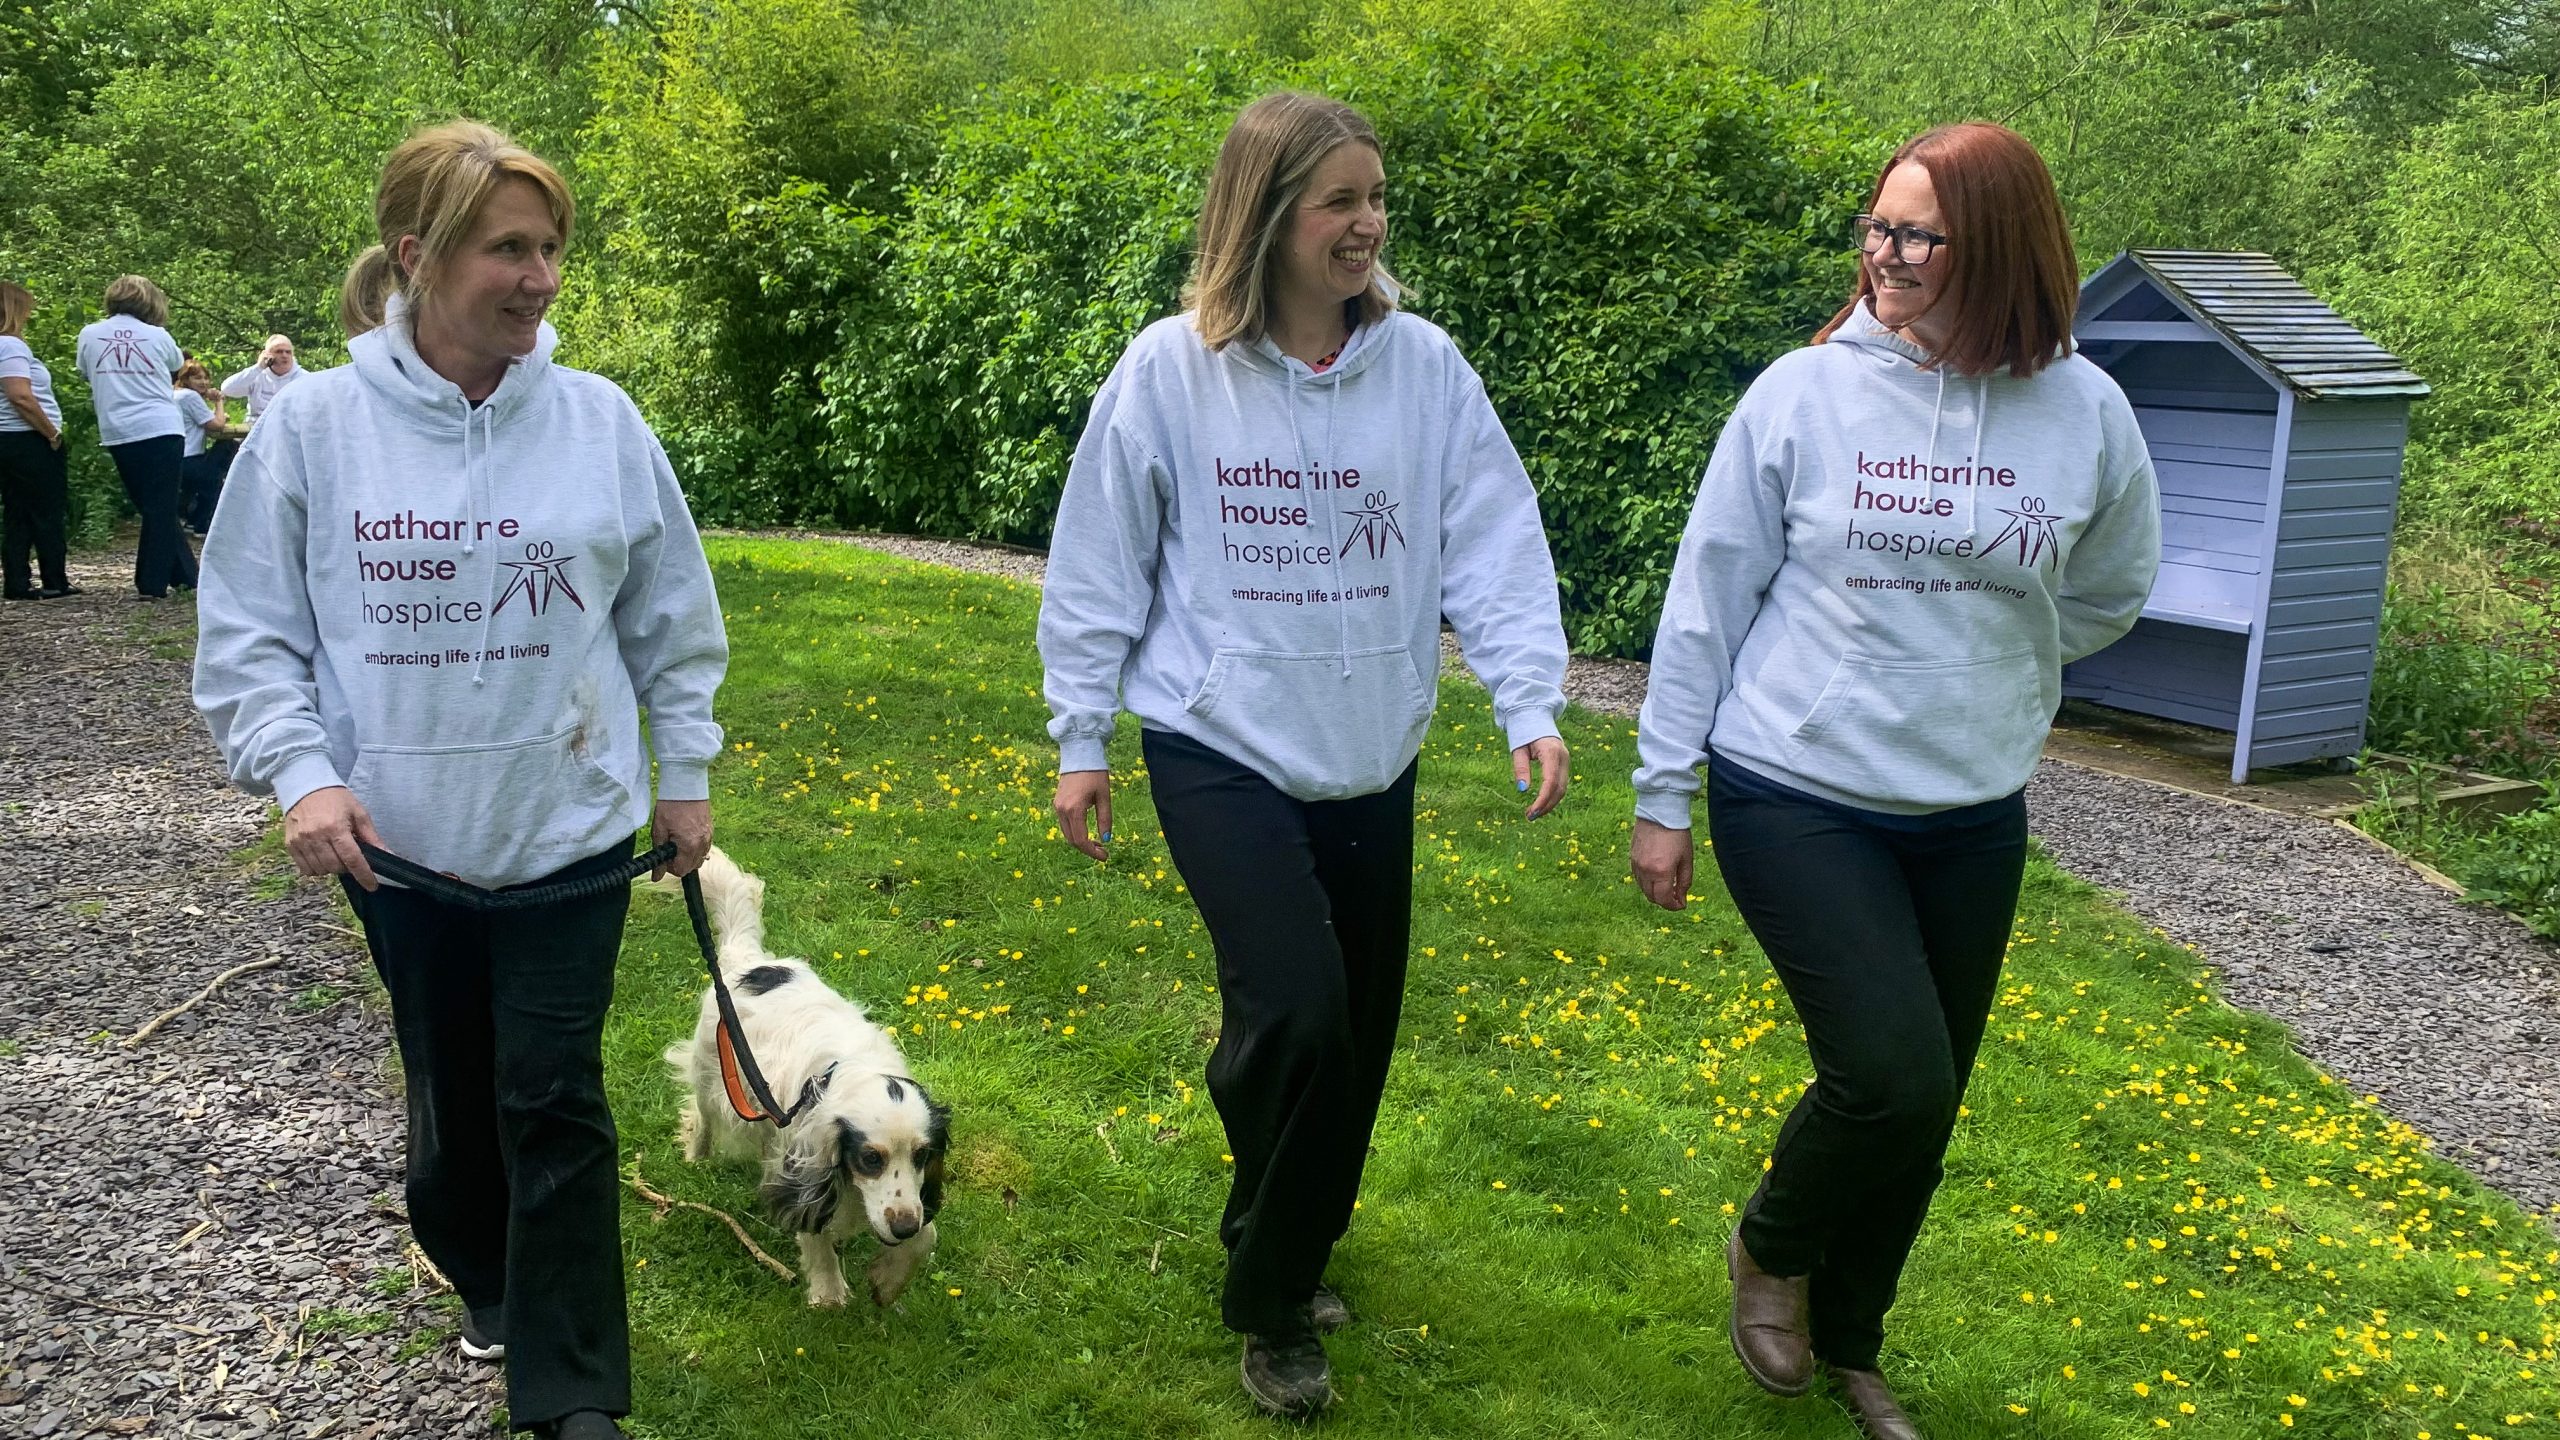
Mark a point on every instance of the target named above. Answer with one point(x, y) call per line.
point(924, 1157)
point(870, 1160)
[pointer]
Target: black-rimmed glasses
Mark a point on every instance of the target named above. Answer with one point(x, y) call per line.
point(1911, 244)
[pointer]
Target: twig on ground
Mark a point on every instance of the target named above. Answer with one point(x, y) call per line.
point(662, 1202)
point(425, 1269)
point(165, 1016)
point(169, 1320)
point(1103, 1133)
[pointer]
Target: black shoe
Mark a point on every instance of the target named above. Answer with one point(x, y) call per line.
point(56, 592)
point(1286, 1374)
point(584, 1425)
point(23, 595)
point(1327, 1312)
point(483, 1340)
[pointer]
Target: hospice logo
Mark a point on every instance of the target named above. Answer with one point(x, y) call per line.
point(1278, 532)
point(2029, 537)
point(418, 583)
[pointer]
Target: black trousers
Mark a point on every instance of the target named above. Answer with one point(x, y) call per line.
point(1309, 905)
point(200, 480)
point(1888, 935)
point(512, 1182)
point(35, 508)
point(150, 470)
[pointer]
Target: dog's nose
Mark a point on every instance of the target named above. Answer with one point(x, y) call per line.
point(904, 1224)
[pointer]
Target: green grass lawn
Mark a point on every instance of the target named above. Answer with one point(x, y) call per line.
point(2156, 1220)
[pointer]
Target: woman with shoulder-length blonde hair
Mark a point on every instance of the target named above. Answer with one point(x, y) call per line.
point(1277, 497)
point(35, 485)
point(1906, 531)
point(131, 364)
point(443, 581)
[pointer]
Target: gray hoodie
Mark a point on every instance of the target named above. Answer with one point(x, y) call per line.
point(457, 612)
point(1257, 556)
point(1885, 572)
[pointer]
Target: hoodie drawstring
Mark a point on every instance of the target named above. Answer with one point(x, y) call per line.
point(1332, 511)
point(471, 518)
point(1981, 423)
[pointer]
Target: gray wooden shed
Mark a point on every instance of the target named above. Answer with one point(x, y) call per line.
point(2277, 430)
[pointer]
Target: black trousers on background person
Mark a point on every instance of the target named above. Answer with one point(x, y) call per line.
point(1888, 932)
point(200, 480)
point(35, 510)
point(150, 470)
point(512, 1184)
point(1309, 904)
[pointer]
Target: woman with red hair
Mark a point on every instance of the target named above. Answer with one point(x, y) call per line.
point(1907, 529)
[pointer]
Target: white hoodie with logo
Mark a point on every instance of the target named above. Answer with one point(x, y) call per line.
point(1258, 557)
point(1887, 568)
point(458, 612)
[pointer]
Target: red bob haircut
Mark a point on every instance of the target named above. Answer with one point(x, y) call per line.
point(2014, 280)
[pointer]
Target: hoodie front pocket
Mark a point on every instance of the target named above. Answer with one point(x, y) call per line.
point(1320, 726)
point(496, 814)
point(1928, 732)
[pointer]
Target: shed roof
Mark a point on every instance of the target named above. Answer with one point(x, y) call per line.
point(2249, 301)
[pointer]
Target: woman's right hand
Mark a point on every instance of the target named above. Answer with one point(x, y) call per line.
point(1080, 792)
point(321, 832)
point(1663, 861)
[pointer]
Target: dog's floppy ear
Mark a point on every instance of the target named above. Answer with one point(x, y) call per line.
point(801, 1197)
point(937, 1132)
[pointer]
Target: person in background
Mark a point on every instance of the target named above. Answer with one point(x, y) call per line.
point(446, 579)
point(132, 366)
point(1282, 737)
point(210, 445)
point(261, 382)
point(1868, 745)
point(35, 489)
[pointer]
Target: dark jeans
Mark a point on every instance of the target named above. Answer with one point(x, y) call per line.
point(150, 471)
point(1888, 932)
point(512, 1159)
point(1309, 905)
point(35, 506)
point(200, 480)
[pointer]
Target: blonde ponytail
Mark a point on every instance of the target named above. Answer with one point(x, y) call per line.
point(367, 292)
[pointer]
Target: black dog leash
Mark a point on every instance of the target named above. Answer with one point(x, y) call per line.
point(749, 1095)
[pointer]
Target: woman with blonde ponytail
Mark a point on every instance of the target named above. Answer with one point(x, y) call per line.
point(444, 580)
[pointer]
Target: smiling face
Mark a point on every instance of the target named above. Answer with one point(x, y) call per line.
point(1907, 295)
point(1329, 251)
point(487, 301)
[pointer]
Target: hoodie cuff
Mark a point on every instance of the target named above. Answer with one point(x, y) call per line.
point(1526, 725)
point(684, 779)
point(1083, 752)
point(311, 770)
point(1666, 808)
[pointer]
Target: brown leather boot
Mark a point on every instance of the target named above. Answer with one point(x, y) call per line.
point(1768, 1326)
point(1871, 1404)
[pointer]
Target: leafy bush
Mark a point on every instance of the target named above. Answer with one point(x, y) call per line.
point(2455, 291)
point(2443, 693)
point(1618, 239)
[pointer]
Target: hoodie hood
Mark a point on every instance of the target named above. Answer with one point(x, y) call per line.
point(1864, 334)
point(387, 357)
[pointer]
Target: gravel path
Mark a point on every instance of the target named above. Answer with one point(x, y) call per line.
point(198, 1233)
point(2450, 1013)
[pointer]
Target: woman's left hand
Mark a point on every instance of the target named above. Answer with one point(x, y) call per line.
point(686, 822)
point(1555, 769)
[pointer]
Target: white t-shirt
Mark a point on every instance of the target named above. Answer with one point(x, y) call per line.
point(258, 385)
point(195, 414)
point(130, 366)
point(20, 363)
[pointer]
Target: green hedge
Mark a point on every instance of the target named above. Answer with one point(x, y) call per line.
point(1618, 241)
